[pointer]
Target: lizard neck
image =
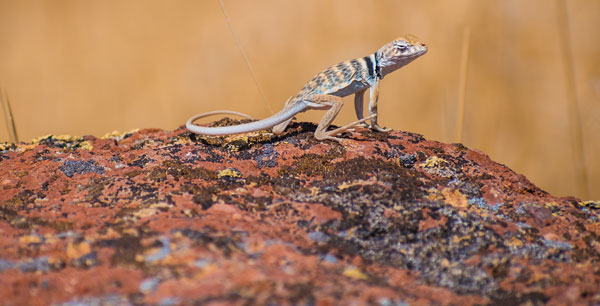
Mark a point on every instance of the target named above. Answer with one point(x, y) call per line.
point(372, 67)
point(377, 67)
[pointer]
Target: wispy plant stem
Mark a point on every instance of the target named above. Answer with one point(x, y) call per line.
point(239, 45)
point(8, 116)
point(579, 158)
point(462, 86)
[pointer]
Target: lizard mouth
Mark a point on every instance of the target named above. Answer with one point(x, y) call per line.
point(421, 49)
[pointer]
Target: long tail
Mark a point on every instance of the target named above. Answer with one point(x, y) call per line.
point(281, 116)
point(222, 112)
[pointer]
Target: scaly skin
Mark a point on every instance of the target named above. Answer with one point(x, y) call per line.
point(326, 89)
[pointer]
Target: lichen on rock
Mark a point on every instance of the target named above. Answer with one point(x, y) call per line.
point(383, 218)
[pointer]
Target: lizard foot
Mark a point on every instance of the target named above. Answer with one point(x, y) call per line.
point(339, 140)
point(380, 129)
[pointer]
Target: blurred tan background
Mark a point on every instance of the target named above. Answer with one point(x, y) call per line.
point(532, 71)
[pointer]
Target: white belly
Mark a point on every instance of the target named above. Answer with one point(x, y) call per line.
point(348, 89)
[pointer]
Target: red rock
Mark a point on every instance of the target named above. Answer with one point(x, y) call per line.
point(167, 217)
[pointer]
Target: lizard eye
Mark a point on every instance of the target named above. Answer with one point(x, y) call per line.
point(400, 46)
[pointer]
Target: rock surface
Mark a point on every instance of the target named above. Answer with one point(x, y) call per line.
point(165, 217)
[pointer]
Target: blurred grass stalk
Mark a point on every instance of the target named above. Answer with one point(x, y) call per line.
point(239, 45)
point(462, 86)
point(8, 116)
point(574, 115)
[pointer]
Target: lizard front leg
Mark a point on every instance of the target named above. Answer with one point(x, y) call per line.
point(359, 98)
point(374, 97)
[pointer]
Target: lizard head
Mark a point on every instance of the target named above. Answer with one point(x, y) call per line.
point(398, 53)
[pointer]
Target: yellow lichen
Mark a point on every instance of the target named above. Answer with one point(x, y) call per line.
point(145, 212)
point(86, 145)
point(229, 173)
point(40, 138)
point(355, 273)
point(434, 162)
point(75, 251)
point(346, 185)
point(455, 198)
point(438, 166)
point(131, 232)
point(590, 204)
point(314, 191)
point(161, 206)
point(7, 146)
point(116, 135)
point(434, 195)
point(27, 239)
point(69, 140)
point(514, 242)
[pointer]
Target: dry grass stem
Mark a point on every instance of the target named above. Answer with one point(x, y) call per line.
point(574, 116)
point(246, 60)
point(462, 87)
point(8, 116)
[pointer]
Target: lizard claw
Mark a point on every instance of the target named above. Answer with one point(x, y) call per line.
point(338, 140)
point(380, 129)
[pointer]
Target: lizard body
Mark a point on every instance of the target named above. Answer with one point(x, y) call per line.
point(326, 89)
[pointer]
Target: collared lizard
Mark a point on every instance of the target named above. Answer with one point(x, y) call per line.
point(326, 89)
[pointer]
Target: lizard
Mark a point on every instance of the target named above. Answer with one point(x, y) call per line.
point(325, 92)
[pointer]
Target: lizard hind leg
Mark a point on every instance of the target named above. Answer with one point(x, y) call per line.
point(333, 104)
point(349, 127)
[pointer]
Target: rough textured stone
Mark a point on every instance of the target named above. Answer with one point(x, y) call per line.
point(165, 217)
